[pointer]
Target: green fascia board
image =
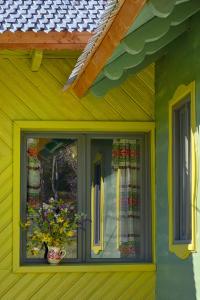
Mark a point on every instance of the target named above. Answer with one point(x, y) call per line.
point(163, 8)
point(128, 61)
point(135, 63)
point(148, 13)
point(106, 84)
point(146, 40)
point(156, 28)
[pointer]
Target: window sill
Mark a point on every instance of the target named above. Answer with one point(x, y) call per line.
point(86, 268)
point(182, 250)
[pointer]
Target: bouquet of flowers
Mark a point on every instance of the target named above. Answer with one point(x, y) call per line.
point(52, 224)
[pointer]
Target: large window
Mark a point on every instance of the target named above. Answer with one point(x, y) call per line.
point(105, 178)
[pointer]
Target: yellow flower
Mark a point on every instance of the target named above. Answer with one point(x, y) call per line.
point(46, 238)
point(60, 219)
point(27, 224)
point(35, 251)
point(61, 230)
point(65, 224)
point(70, 233)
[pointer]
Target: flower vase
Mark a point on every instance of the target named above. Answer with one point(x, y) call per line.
point(55, 255)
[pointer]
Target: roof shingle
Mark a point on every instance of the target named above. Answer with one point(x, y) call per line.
point(50, 15)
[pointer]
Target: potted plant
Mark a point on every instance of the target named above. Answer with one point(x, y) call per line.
point(52, 226)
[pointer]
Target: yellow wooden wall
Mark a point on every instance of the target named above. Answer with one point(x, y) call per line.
point(26, 95)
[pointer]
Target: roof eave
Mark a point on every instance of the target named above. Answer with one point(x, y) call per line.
point(121, 23)
point(52, 40)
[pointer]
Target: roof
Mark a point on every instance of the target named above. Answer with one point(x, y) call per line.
point(50, 15)
point(156, 26)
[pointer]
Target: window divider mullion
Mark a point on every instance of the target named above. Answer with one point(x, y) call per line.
point(87, 198)
point(82, 195)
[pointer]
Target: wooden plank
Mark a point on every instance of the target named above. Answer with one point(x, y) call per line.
point(5, 128)
point(127, 280)
point(63, 53)
point(6, 242)
point(128, 12)
point(43, 46)
point(55, 292)
point(62, 106)
point(86, 292)
point(125, 106)
point(8, 280)
point(13, 106)
point(73, 291)
point(98, 108)
point(139, 287)
point(53, 284)
point(113, 280)
point(29, 285)
point(6, 212)
point(41, 40)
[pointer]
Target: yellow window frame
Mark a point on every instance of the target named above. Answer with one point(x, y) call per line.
point(182, 250)
point(77, 126)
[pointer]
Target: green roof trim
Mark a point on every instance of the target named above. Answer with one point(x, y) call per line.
point(162, 8)
point(145, 44)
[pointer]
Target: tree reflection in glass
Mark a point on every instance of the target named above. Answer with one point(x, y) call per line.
point(52, 174)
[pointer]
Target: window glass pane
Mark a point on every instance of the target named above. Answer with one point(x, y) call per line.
point(182, 172)
point(117, 198)
point(51, 195)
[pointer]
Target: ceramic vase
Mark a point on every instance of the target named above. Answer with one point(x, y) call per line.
point(55, 255)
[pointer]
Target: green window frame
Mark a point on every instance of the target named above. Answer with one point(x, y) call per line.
point(84, 137)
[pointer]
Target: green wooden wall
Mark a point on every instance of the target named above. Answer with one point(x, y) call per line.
point(26, 95)
point(176, 278)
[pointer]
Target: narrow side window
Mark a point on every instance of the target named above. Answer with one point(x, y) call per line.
point(182, 171)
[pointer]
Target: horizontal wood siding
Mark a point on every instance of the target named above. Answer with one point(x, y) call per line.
point(26, 95)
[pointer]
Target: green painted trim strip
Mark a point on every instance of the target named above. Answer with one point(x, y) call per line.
point(143, 42)
point(128, 61)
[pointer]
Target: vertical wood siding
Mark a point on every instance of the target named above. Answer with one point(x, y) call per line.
point(26, 95)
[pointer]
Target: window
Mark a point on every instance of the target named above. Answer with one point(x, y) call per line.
point(182, 189)
point(98, 190)
point(182, 171)
point(104, 176)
